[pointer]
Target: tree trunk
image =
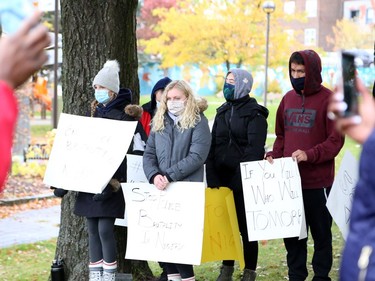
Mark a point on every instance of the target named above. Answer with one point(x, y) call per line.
point(22, 134)
point(93, 32)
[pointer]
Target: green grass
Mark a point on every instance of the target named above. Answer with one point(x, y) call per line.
point(39, 131)
point(271, 261)
point(32, 262)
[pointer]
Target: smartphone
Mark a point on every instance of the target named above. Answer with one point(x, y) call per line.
point(348, 83)
point(13, 13)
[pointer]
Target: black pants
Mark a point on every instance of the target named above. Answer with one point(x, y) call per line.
point(185, 270)
point(319, 222)
point(250, 249)
point(102, 242)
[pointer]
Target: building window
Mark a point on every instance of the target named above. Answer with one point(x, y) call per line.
point(289, 7)
point(354, 14)
point(311, 8)
point(310, 37)
point(289, 33)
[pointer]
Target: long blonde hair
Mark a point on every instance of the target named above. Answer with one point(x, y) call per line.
point(188, 118)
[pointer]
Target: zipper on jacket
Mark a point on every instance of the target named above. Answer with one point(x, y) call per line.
point(363, 262)
point(172, 144)
point(230, 127)
point(303, 104)
point(229, 130)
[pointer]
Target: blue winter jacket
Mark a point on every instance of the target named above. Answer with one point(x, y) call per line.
point(358, 260)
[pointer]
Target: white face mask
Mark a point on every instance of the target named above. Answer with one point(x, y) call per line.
point(157, 104)
point(176, 107)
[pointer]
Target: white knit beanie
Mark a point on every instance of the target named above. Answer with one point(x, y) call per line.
point(108, 76)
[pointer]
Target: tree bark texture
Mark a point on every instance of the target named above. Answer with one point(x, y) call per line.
point(92, 33)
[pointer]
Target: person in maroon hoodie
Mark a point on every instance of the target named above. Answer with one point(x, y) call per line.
point(305, 133)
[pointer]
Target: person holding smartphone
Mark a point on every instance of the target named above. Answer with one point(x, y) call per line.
point(21, 54)
point(358, 257)
point(305, 133)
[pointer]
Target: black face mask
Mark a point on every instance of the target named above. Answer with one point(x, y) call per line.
point(298, 83)
point(228, 91)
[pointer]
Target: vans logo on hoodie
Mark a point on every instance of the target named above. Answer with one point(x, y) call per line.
point(296, 118)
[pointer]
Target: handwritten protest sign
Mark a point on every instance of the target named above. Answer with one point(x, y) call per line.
point(221, 238)
point(273, 199)
point(134, 173)
point(165, 225)
point(340, 199)
point(87, 152)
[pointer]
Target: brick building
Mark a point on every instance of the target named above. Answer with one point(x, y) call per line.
point(322, 16)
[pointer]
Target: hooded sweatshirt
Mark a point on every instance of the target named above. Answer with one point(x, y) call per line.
point(149, 108)
point(302, 123)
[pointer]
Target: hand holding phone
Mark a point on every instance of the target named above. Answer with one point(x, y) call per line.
point(348, 84)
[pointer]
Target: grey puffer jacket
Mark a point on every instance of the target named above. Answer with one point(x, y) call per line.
point(179, 155)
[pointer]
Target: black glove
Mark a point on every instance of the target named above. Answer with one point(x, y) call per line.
point(107, 193)
point(59, 192)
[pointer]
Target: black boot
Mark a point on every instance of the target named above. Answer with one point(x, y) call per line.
point(163, 275)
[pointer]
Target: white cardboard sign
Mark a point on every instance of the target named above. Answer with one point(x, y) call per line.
point(87, 152)
point(134, 173)
point(165, 225)
point(340, 199)
point(134, 165)
point(273, 199)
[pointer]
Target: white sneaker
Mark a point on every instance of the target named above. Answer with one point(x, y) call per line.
point(109, 276)
point(95, 275)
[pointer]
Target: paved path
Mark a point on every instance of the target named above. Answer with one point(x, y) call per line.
point(30, 226)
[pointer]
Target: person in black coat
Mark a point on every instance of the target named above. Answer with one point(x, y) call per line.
point(238, 135)
point(102, 209)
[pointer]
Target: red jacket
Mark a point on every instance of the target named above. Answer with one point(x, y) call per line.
point(302, 123)
point(8, 118)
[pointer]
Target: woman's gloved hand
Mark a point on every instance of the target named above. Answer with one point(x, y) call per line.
point(59, 192)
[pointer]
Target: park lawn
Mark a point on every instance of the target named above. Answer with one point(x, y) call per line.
point(30, 262)
point(33, 261)
point(40, 131)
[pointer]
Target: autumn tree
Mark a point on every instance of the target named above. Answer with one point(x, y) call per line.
point(147, 20)
point(215, 32)
point(348, 35)
point(93, 32)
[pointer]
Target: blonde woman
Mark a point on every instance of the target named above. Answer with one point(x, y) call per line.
point(177, 148)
